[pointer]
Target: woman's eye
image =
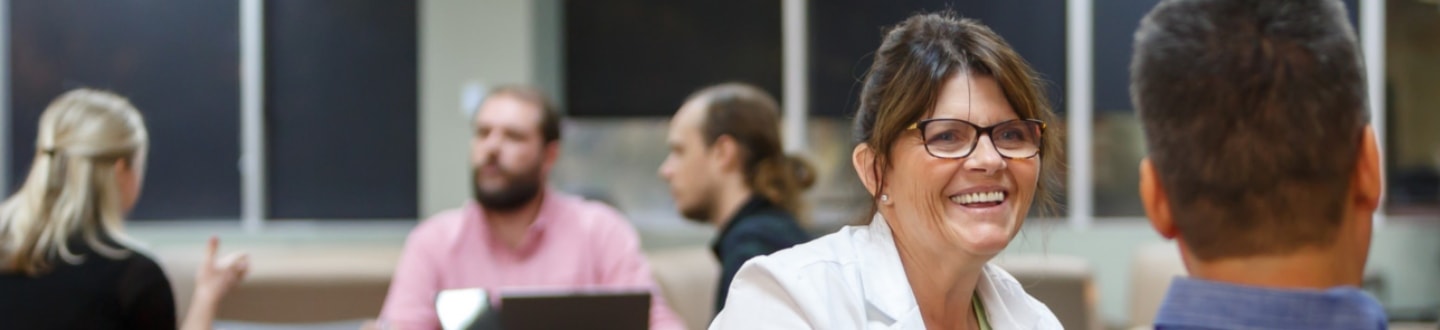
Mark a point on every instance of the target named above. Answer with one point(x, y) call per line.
point(1013, 135)
point(944, 137)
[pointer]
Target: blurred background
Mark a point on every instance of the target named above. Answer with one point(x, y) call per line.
point(316, 133)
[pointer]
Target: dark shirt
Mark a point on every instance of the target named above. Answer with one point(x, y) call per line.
point(758, 228)
point(98, 293)
point(1200, 304)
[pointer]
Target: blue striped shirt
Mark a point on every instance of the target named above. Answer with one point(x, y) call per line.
point(1200, 304)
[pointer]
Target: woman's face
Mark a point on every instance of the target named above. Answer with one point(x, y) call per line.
point(973, 204)
point(129, 177)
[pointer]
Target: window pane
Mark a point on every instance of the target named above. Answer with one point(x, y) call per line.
point(176, 61)
point(1118, 142)
point(643, 57)
point(845, 33)
point(341, 109)
point(1412, 77)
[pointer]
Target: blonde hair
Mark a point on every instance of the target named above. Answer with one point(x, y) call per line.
point(71, 189)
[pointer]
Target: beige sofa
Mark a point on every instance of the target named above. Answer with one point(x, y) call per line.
point(323, 284)
point(1065, 284)
point(1151, 271)
point(688, 277)
point(297, 284)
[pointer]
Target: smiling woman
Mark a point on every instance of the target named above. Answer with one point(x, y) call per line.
point(954, 149)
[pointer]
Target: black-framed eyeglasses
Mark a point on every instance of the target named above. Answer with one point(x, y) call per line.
point(954, 138)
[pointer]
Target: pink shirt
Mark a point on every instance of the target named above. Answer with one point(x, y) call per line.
point(573, 243)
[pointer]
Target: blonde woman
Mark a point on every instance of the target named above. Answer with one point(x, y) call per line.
point(65, 261)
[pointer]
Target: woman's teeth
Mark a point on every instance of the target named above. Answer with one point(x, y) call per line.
point(979, 197)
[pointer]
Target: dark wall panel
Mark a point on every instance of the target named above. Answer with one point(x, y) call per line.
point(643, 57)
point(177, 61)
point(845, 33)
point(1115, 23)
point(341, 108)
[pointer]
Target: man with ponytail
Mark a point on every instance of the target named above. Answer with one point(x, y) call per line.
point(65, 261)
point(727, 168)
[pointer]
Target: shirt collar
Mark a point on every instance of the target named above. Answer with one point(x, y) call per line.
point(754, 205)
point(882, 276)
point(544, 219)
point(888, 291)
point(1015, 309)
point(1208, 304)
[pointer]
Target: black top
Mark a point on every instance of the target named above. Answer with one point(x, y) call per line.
point(758, 228)
point(98, 293)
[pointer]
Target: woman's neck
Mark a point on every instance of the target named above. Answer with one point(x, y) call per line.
point(943, 284)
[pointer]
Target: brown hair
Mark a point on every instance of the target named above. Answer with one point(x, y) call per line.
point(914, 60)
point(549, 119)
point(751, 117)
point(1253, 113)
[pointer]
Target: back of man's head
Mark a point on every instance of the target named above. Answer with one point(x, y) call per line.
point(1254, 113)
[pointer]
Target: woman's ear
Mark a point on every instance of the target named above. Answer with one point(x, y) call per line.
point(863, 158)
point(124, 168)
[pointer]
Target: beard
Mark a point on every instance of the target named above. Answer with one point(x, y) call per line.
point(523, 187)
point(697, 214)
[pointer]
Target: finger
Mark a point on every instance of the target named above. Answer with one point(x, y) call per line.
point(242, 263)
point(211, 248)
point(229, 260)
point(241, 267)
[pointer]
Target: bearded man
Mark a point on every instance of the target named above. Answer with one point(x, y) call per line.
point(517, 232)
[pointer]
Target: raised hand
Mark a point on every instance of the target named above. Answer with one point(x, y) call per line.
point(216, 277)
point(213, 280)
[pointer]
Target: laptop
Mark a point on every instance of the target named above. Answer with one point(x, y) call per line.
point(472, 309)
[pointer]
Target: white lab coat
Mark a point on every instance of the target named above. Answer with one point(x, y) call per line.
point(853, 279)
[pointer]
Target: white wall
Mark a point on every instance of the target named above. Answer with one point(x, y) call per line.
point(488, 42)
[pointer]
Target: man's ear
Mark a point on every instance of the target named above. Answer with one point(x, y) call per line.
point(552, 154)
point(863, 158)
point(1157, 203)
point(1366, 192)
point(726, 153)
point(1366, 184)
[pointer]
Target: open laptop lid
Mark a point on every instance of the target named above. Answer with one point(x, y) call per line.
point(523, 309)
point(461, 309)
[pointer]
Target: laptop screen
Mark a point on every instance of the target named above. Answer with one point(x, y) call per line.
point(544, 309)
